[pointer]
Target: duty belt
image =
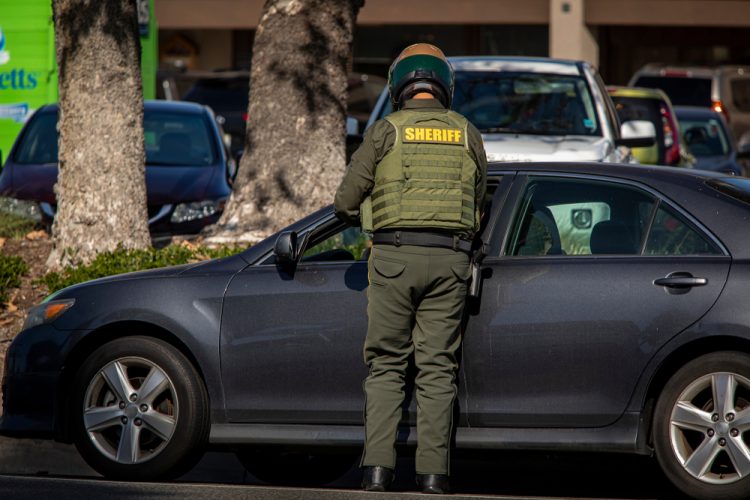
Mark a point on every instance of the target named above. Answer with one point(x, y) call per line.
point(421, 239)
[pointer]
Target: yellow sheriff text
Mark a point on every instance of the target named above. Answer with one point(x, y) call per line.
point(435, 135)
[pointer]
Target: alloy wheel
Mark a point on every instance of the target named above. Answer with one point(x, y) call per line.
point(708, 428)
point(130, 410)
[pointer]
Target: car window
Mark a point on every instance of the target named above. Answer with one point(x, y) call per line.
point(580, 217)
point(639, 108)
point(705, 137)
point(682, 91)
point(672, 235)
point(177, 139)
point(526, 103)
point(39, 143)
point(344, 244)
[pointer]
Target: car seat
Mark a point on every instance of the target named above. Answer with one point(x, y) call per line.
point(610, 237)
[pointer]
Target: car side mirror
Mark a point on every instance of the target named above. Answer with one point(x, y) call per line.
point(285, 249)
point(637, 134)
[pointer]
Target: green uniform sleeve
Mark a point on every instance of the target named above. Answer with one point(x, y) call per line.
point(476, 146)
point(359, 177)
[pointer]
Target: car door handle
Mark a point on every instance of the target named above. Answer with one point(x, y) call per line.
point(680, 281)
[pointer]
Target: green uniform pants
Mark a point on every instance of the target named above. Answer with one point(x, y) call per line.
point(415, 304)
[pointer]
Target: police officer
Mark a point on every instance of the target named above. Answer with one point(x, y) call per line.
point(417, 181)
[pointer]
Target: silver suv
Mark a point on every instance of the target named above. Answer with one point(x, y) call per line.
point(539, 109)
point(725, 89)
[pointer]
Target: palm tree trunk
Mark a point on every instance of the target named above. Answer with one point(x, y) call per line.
point(101, 191)
point(295, 141)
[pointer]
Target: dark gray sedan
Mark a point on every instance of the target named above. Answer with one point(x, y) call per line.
point(612, 317)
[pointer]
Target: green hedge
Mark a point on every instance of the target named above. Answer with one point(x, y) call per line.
point(125, 261)
point(11, 270)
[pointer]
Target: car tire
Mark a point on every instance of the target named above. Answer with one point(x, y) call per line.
point(702, 447)
point(140, 410)
point(298, 466)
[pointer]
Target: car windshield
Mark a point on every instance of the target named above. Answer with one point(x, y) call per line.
point(682, 91)
point(523, 103)
point(526, 103)
point(172, 139)
point(38, 144)
point(177, 139)
point(642, 108)
point(705, 136)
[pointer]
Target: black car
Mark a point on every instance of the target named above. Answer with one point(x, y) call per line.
point(188, 170)
point(612, 317)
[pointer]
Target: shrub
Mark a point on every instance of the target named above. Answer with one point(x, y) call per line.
point(127, 260)
point(15, 226)
point(11, 270)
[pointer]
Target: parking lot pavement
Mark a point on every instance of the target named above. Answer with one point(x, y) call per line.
point(35, 468)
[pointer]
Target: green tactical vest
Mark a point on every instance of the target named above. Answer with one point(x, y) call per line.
point(428, 178)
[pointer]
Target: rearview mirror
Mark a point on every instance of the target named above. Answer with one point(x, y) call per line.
point(637, 134)
point(286, 249)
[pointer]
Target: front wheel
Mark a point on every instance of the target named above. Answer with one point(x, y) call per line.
point(701, 425)
point(140, 410)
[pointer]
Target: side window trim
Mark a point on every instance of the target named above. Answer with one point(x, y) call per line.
point(649, 226)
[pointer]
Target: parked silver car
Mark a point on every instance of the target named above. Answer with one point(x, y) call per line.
point(539, 109)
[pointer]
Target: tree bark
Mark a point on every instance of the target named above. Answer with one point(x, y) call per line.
point(101, 188)
point(294, 153)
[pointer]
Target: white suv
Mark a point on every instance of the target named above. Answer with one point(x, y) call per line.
point(539, 109)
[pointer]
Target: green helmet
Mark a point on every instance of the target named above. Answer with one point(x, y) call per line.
point(420, 68)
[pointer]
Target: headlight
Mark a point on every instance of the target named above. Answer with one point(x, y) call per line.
point(185, 212)
point(47, 312)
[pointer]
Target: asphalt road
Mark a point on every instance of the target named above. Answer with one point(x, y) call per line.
point(58, 474)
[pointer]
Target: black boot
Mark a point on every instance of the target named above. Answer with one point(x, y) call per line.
point(377, 478)
point(433, 483)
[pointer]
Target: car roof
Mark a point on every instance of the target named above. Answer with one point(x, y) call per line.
point(659, 69)
point(517, 64)
point(633, 171)
point(695, 111)
point(152, 105)
point(638, 92)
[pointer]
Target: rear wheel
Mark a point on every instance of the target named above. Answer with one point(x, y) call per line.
point(140, 410)
point(701, 425)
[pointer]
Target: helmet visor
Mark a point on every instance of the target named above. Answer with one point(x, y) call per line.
point(416, 65)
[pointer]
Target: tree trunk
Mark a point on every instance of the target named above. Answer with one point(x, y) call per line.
point(295, 141)
point(101, 188)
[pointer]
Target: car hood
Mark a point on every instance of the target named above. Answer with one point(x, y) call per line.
point(227, 265)
point(520, 147)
